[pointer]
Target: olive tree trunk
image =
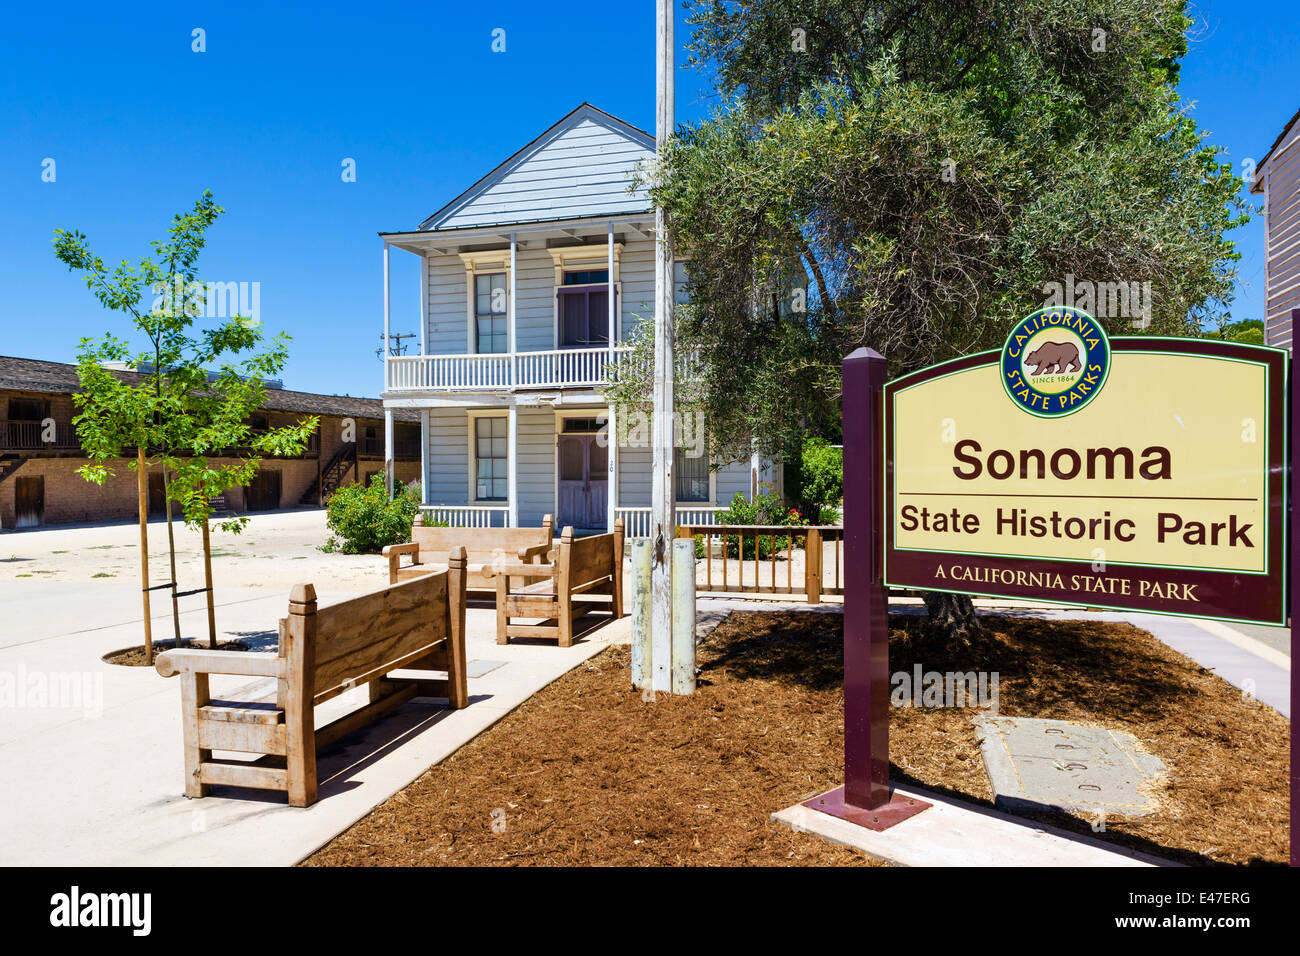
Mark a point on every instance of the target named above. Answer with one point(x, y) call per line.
point(954, 614)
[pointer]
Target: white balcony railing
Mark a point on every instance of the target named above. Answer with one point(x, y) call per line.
point(554, 368)
point(636, 521)
point(469, 516)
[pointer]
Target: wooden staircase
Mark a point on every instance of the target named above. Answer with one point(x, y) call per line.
point(9, 464)
point(332, 475)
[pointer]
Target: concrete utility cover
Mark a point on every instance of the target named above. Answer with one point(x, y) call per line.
point(478, 668)
point(1039, 764)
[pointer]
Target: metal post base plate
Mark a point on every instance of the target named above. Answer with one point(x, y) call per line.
point(898, 809)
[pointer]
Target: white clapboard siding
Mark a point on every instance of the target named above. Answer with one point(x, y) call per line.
point(581, 166)
point(1280, 175)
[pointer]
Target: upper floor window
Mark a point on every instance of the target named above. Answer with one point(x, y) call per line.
point(490, 321)
point(584, 309)
point(680, 297)
point(586, 277)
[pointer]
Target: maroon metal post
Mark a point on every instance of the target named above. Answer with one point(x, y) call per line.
point(866, 797)
point(866, 607)
point(1293, 586)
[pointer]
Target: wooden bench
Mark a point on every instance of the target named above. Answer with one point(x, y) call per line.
point(483, 546)
point(417, 625)
point(577, 570)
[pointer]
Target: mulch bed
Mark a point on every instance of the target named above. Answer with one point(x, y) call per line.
point(586, 772)
point(135, 656)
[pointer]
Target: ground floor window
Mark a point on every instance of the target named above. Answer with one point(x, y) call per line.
point(692, 473)
point(491, 465)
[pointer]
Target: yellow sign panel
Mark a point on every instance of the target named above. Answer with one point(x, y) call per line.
point(1167, 466)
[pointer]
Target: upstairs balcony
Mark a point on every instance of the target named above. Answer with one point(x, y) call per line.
point(27, 436)
point(503, 371)
point(516, 371)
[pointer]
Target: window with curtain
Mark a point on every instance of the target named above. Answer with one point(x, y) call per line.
point(490, 312)
point(584, 309)
point(491, 464)
point(692, 475)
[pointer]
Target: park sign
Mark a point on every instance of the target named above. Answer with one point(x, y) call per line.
point(1137, 473)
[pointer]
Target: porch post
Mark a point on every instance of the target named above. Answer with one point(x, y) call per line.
point(424, 304)
point(387, 318)
point(609, 294)
point(425, 465)
point(512, 465)
point(510, 326)
point(611, 493)
point(611, 423)
point(389, 456)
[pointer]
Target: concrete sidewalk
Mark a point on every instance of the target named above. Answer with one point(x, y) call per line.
point(101, 783)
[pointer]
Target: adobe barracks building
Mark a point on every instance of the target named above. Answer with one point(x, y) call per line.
point(39, 483)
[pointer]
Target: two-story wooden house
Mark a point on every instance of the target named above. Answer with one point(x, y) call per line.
point(531, 282)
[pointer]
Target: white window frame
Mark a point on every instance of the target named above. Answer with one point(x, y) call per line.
point(483, 262)
point(586, 259)
point(471, 465)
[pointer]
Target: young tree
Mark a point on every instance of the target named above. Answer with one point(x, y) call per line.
point(930, 168)
point(194, 392)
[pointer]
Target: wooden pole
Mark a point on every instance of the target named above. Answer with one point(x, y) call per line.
point(663, 518)
point(207, 582)
point(142, 487)
point(684, 615)
point(171, 553)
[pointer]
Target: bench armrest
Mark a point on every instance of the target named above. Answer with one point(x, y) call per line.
point(394, 552)
point(519, 570)
point(533, 551)
point(239, 663)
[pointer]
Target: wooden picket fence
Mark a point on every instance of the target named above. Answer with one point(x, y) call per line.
point(762, 559)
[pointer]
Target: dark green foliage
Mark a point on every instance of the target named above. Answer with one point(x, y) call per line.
point(362, 520)
point(913, 182)
point(821, 477)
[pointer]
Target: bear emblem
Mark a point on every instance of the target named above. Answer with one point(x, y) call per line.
point(1054, 357)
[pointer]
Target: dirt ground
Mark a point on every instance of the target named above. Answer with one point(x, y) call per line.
point(587, 773)
point(276, 551)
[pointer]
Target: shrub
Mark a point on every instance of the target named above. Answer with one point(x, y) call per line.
point(362, 520)
point(765, 509)
point(821, 476)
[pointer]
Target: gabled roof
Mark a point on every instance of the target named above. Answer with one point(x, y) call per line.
point(581, 166)
point(1257, 183)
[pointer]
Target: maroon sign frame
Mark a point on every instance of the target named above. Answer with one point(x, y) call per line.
point(1256, 598)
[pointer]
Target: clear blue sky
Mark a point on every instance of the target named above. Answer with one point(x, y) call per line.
point(139, 125)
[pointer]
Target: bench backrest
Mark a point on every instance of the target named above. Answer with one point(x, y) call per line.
point(332, 649)
point(595, 557)
point(479, 542)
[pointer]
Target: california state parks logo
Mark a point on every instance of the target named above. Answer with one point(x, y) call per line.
point(1055, 361)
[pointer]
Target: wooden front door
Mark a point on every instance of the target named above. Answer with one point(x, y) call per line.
point(29, 501)
point(583, 483)
point(157, 495)
point(263, 492)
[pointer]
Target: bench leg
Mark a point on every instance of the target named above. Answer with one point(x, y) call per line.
point(194, 694)
point(565, 620)
point(503, 618)
point(300, 744)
